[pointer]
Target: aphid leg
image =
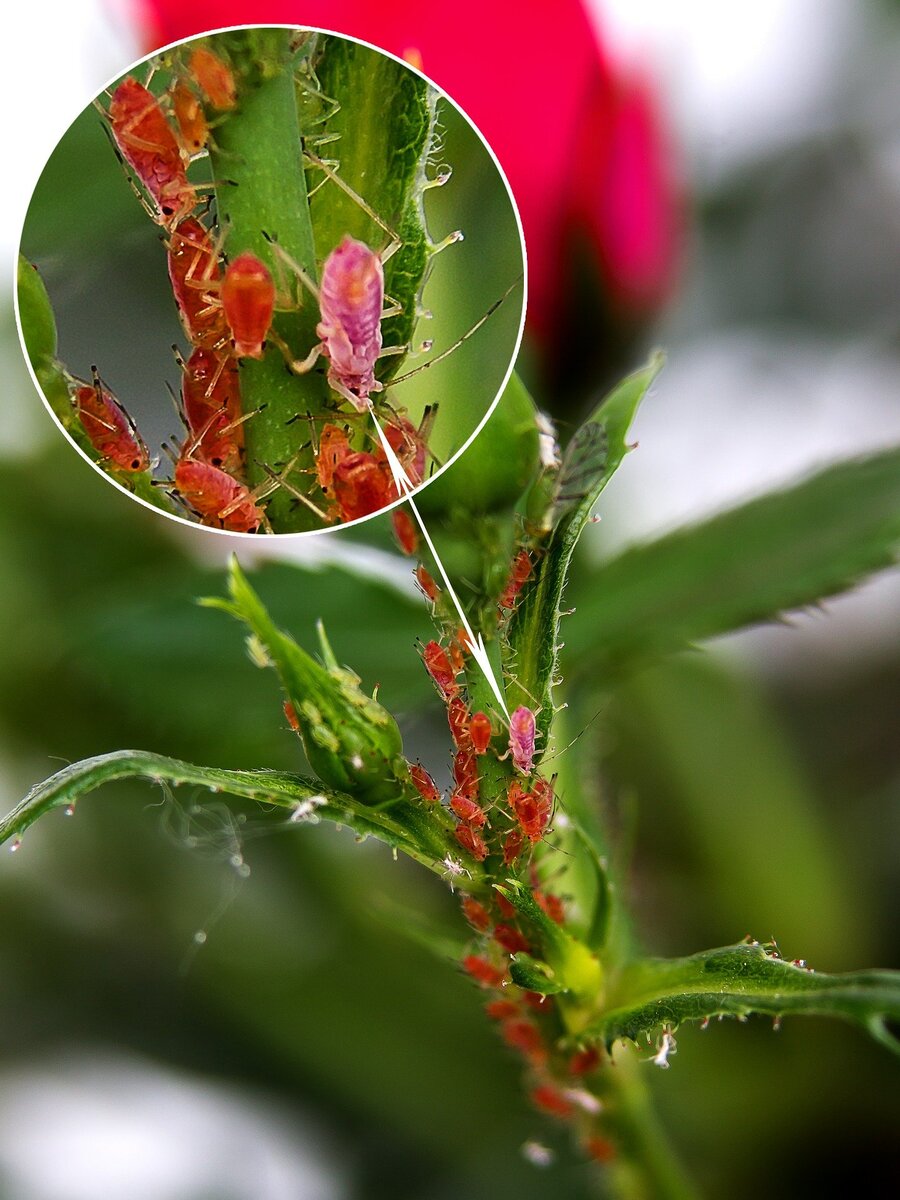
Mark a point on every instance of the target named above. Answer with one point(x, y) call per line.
point(281, 481)
point(291, 263)
point(395, 241)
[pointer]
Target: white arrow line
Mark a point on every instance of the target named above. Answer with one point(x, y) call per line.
point(476, 645)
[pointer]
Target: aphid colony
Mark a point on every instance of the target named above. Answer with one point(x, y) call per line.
point(226, 312)
point(506, 831)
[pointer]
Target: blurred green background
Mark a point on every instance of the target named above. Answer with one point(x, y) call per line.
point(309, 1048)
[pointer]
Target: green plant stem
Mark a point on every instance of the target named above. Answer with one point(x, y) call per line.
point(647, 1167)
point(261, 193)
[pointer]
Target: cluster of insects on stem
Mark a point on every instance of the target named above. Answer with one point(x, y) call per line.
point(504, 808)
point(338, 470)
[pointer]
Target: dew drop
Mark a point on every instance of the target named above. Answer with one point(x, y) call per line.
point(15, 846)
point(200, 937)
point(70, 810)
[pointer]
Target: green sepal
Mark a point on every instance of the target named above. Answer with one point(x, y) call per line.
point(350, 740)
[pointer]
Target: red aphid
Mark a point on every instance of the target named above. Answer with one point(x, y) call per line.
point(248, 298)
point(437, 664)
point(291, 713)
point(214, 78)
point(196, 278)
point(504, 905)
point(468, 810)
point(334, 447)
point(424, 784)
point(483, 972)
point(111, 431)
point(583, 1062)
point(518, 576)
point(600, 1149)
point(471, 841)
point(531, 809)
point(476, 914)
point(351, 298)
point(458, 720)
point(192, 127)
point(429, 588)
point(456, 657)
point(501, 1010)
point(552, 906)
point(525, 1037)
point(512, 941)
point(409, 445)
point(512, 846)
point(521, 738)
point(148, 144)
point(405, 531)
point(480, 732)
point(221, 500)
point(465, 773)
point(211, 401)
point(552, 1101)
point(362, 485)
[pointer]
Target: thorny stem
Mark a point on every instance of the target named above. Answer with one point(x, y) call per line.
point(261, 193)
point(647, 1167)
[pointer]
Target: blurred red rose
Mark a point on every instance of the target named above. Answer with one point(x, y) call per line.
point(579, 140)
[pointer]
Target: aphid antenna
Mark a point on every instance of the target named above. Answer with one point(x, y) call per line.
point(459, 341)
point(395, 241)
point(176, 401)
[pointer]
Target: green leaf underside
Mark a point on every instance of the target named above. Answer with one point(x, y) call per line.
point(384, 120)
point(739, 981)
point(594, 455)
point(784, 551)
point(402, 826)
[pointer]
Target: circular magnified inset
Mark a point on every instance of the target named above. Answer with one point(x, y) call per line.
point(271, 280)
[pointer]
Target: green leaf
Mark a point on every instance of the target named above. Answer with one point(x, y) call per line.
point(405, 827)
point(36, 315)
point(594, 454)
point(738, 981)
point(784, 551)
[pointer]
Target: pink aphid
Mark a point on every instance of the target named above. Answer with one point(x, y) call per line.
point(521, 738)
point(351, 298)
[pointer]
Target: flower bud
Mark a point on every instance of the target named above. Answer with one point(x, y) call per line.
point(352, 742)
